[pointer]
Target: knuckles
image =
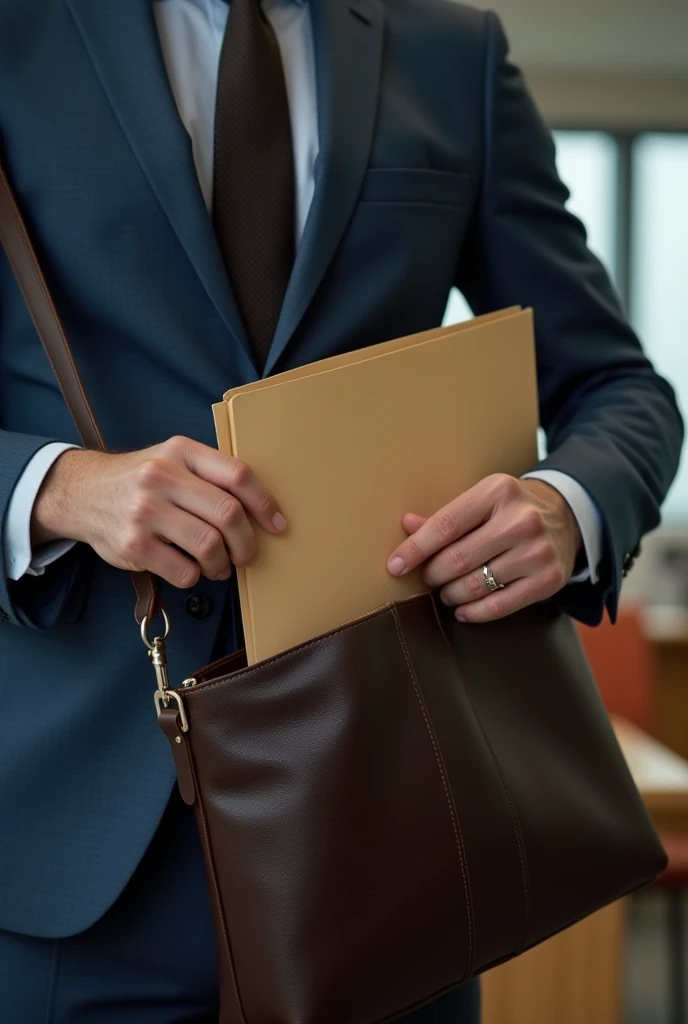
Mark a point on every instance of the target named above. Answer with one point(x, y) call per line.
point(208, 543)
point(446, 524)
point(476, 586)
point(413, 553)
point(504, 487)
point(458, 560)
point(176, 446)
point(143, 508)
point(530, 522)
point(186, 576)
point(245, 558)
point(498, 609)
point(151, 474)
point(229, 513)
point(134, 546)
point(554, 578)
point(265, 502)
point(544, 551)
point(239, 473)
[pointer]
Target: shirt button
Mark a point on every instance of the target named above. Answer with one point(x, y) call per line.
point(198, 605)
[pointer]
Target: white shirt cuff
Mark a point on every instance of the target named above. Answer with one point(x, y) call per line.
point(587, 516)
point(20, 560)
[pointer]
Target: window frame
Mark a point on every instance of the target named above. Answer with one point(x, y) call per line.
point(626, 185)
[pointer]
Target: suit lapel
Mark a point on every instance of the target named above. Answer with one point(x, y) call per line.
point(348, 52)
point(122, 41)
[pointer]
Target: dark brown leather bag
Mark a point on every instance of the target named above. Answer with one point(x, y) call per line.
point(394, 807)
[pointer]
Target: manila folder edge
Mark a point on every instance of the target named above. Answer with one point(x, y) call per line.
point(351, 449)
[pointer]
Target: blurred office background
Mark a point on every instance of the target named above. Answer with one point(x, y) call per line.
point(611, 77)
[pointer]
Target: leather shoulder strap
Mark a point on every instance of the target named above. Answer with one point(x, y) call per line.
point(15, 241)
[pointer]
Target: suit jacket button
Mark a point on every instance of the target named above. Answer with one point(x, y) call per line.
point(198, 605)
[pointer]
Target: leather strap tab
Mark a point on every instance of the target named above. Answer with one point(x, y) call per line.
point(14, 239)
point(168, 720)
point(148, 601)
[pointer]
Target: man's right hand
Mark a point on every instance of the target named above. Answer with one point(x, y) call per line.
point(178, 509)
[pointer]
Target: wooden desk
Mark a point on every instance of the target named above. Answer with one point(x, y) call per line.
point(576, 977)
point(660, 775)
point(671, 691)
point(667, 630)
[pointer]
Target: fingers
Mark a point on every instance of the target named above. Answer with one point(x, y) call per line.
point(524, 532)
point(234, 477)
point(508, 563)
point(453, 521)
point(506, 569)
point(170, 564)
point(207, 545)
point(501, 603)
point(459, 559)
point(216, 509)
point(526, 575)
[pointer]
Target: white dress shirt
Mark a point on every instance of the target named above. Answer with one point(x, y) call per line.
point(191, 34)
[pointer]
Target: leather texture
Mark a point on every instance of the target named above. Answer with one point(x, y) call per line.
point(395, 807)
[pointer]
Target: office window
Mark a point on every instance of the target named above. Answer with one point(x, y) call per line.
point(659, 296)
point(587, 163)
point(588, 166)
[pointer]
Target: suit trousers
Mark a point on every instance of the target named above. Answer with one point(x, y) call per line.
point(151, 958)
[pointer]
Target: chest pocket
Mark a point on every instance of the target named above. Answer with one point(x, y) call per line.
point(416, 186)
point(399, 254)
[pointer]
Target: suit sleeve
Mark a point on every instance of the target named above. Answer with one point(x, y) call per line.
point(38, 602)
point(612, 423)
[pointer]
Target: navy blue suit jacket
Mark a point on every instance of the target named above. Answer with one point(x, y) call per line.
point(435, 170)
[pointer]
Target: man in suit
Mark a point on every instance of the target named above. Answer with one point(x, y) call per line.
point(217, 194)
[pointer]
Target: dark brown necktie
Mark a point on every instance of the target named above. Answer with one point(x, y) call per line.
point(253, 193)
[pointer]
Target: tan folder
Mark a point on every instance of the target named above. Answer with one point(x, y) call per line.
point(221, 409)
point(351, 443)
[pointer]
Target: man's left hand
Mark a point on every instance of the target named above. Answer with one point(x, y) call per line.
point(523, 530)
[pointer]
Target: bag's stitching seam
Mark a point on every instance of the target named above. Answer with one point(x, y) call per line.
point(216, 888)
point(456, 824)
point(520, 841)
point(517, 829)
point(204, 687)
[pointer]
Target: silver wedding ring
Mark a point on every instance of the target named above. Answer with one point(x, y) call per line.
point(490, 581)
